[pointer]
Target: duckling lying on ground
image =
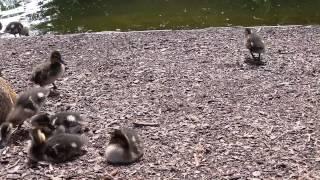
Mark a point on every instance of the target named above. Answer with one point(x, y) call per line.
point(47, 72)
point(48, 124)
point(254, 43)
point(60, 147)
point(16, 28)
point(27, 105)
point(124, 147)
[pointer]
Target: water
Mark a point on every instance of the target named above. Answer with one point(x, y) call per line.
point(70, 16)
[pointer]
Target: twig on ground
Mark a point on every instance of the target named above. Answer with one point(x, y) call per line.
point(140, 124)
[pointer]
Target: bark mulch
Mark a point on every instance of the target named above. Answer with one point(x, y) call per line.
point(219, 117)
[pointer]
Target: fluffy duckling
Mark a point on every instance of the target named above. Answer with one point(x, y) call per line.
point(0, 26)
point(60, 147)
point(47, 72)
point(7, 99)
point(63, 147)
point(42, 121)
point(37, 146)
point(254, 43)
point(69, 120)
point(27, 105)
point(16, 28)
point(124, 147)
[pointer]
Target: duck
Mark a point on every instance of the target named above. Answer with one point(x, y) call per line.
point(124, 147)
point(0, 26)
point(16, 28)
point(59, 148)
point(49, 71)
point(37, 146)
point(69, 120)
point(28, 104)
point(8, 98)
point(42, 121)
point(254, 43)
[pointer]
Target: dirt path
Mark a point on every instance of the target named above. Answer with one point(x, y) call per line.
point(219, 117)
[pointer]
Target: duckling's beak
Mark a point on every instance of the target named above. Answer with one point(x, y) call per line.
point(62, 61)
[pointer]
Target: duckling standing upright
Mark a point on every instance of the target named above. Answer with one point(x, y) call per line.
point(254, 43)
point(37, 146)
point(16, 28)
point(42, 122)
point(47, 72)
point(27, 105)
point(124, 147)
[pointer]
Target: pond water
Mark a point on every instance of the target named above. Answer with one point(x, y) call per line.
point(70, 16)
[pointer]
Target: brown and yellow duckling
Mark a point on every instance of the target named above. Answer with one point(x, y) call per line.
point(16, 28)
point(49, 71)
point(124, 147)
point(254, 43)
point(27, 105)
point(59, 148)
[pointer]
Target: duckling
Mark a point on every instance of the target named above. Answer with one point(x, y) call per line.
point(47, 72)
point(63, 147)
point(42, 121)
point(37, 146)
point(124, 147)
point(16, 28)
point(0, 26)
point(27, 105)
point(69, 120)
point(254, 43)
point(7, 99)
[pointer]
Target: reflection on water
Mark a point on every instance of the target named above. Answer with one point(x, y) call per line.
point(69, 16)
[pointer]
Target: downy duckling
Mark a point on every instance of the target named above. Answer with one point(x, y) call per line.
point(36, 148)
point(62, 147)
point(124, 147)
point(0, 26)
point(16, 28)
point(254, 43)
point(7, 99)
point(42, 121)
point(69, 120)
point(27, 105)
point(47, 72)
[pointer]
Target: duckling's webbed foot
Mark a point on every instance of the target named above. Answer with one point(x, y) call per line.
point(54, 86)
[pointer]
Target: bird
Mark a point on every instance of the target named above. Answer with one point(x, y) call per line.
point(59, 148)
point(16, 28)
point(124, 147)
point(0, 26)
point(27, 105)
point(254, 43)
point(50, 70)
point(70, 121)
point(8, 98)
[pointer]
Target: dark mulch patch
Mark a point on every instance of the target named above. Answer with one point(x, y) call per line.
point(220, 118)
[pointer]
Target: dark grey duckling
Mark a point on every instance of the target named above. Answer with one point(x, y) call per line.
point(124, 147)
point(49, 71)
point(0, 26)
point(69, 120)
point(37, 146)
point(16, 28)
point(254, 43)
point(42, 121)
point(62, 147)
point(27, 105)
